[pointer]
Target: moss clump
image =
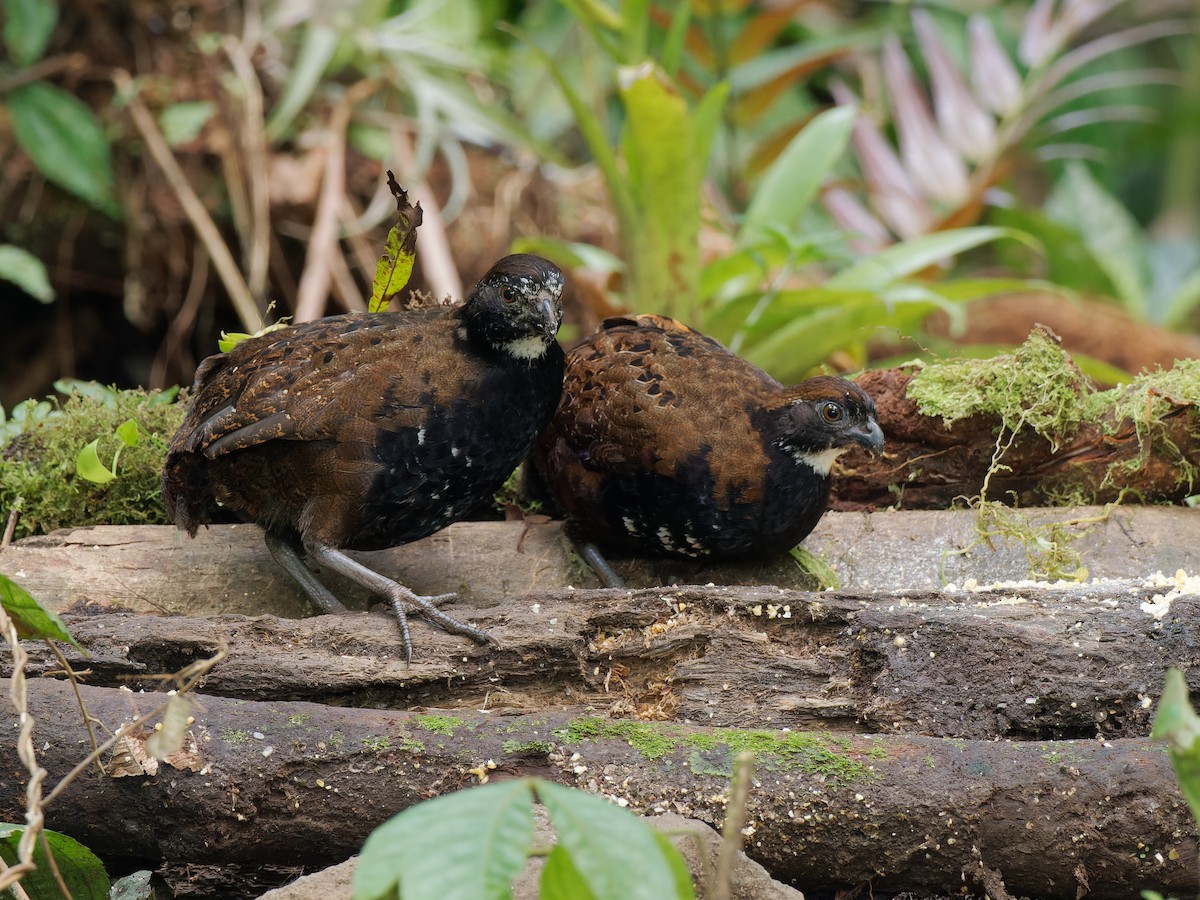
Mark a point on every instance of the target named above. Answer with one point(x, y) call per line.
point(1037, 387)
point(37, 464)
point(514, 747)
point(446, 725)
point(798, 750)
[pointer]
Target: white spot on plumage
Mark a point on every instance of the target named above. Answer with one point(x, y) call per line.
point(456, 452)
point(421, 436)
point(821, 461)
point(630, 525)
point(531, 347)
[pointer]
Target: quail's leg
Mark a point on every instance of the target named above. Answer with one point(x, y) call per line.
point(400, 598)
point(605, 572)
point(287, 554)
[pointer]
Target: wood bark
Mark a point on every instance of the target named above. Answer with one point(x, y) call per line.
point(1058, 819)
point(1020, 663)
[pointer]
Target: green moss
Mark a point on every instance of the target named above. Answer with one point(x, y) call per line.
point(513, 494)
point(299, 718)
point(377, 744)
point(1037, 387)
point(337, 739)
point(818, 571)
point(803, 751)
point(514, 747)
point(411, 745)
point(235, 736)
point(446, 725)
point(37, 465)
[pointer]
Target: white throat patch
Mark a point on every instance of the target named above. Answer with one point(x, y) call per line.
point(525, 348)
point(820, 462)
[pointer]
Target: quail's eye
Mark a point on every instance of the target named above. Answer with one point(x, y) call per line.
point(832, 412)
point(508, 294)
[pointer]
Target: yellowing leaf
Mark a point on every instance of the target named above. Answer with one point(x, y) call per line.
point(396, 264)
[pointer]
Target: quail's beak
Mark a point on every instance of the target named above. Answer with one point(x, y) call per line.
point(549, 316)
point(870, 436)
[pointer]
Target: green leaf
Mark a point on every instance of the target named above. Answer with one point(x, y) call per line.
point(135, 886)
point(181, 122)
point(81, 869)
point(469, 845)
point(31, 619)
point(169, 738)
point(1176, 721)
point(230, 339)
point(26, 271)
point(561, 880)
point(317, 46)
point(28, 25)
point(66, 142)
point(790, 184)
point(399, 253)
point(665, 174)
point(88, 465)
point(127, 431)
point(615, 852)
point(1109, 231)
point(907, 258)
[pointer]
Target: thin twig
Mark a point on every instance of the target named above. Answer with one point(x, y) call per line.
point(11, 528)
point(187, 678)
point(42, 70)
point(87, 717)
point(323, 243)
point(193, 207)
point(735, 818)
point(253, 145)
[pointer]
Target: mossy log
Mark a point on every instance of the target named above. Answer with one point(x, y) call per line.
point(1023, 663)
point(293, 785)
point(928, 464)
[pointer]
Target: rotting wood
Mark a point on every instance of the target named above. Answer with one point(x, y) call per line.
point(1017, 662)
point(896, 812)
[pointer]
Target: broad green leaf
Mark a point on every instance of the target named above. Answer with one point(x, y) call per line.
point(169, 738)
point(469, 845)
point(181, 122)
point(561, 879)
point(706, 120)
point(135, 886)
point(317, 46)
point(615, 852)
point(1115, 239)
point(89, 467)
point(80, 868)
point(673, 43)
point(26, 271)
point(127, 431)
point(31, 619)
point(399, 253)
point(790, 184)
point(907, 258)
point(28, 25)
point(65, 140)
point(665, 175)
point(1176, 722)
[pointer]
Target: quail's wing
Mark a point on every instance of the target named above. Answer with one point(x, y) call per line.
point(306, 383)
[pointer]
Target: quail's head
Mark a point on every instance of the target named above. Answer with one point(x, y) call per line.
point(517, 306)
point(823, 418)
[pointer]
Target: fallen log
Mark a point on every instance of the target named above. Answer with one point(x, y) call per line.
point(1023, 661)
point(227, 569)
point(1141, 443)
point(298, 785)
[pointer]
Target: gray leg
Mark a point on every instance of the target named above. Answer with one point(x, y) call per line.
point(287, 554)
point(594, 558)
point(400, 598)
